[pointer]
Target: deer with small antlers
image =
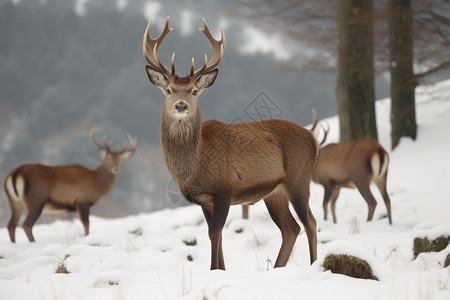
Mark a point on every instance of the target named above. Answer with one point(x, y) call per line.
point(217, 165)
point(353, 164)
point(63, 188)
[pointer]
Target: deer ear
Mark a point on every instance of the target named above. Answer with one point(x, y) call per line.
point(206, 80)
point(102, 153)
point(126, 154)
point(156, 77)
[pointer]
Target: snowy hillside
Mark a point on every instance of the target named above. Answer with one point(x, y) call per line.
point(166, 254)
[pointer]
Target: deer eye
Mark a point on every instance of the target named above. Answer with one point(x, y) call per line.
point(194, 93)
point(168, 92)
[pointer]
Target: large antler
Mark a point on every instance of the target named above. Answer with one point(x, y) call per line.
point(151, 46)
point(104, 145)
point(218, 47)
point(130, 144)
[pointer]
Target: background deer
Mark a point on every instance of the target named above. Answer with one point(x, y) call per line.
point(63, 188)
point(354, 164)
point(217, 165)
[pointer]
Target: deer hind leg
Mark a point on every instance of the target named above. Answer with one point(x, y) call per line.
point(364, 189)
point(34, 211)
point(331, 194)
point(83, 212)
point(16, 203)
point(16, 212)
point(381, 185)
point(216, 220)
point(300, 202)
point(278, 207)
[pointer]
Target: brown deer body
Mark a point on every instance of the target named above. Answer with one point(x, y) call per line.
point(62, 188)
point(217, 164)
point(354, 164)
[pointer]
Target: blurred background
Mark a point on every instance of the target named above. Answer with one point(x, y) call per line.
point(69, 65)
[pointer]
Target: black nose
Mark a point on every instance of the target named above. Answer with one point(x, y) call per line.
point(181, 107)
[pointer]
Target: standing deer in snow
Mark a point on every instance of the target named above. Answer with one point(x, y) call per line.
point(217, 165)
point(62, 188)
point(354, 164)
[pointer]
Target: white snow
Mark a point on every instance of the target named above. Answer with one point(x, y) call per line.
point(166, 254)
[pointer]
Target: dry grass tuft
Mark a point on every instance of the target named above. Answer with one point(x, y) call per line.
point(61, 268)
point(190, 242)
point(349, 265)
point(447, 261)
point(425, 245)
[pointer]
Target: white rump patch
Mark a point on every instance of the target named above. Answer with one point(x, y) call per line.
point(20, 187)
point(377, 168)
point(375, 162)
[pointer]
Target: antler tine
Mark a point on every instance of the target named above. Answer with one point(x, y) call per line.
point(105, 142)
point(92, 136)
point(218, 48)
point(150, 47)
point(192, 68)
point(325, 133)
point(130, 143)
point(315, 120)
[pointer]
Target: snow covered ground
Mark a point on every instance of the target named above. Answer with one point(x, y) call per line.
point(166, 254)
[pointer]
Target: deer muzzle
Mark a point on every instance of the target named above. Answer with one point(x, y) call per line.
point(181, 109)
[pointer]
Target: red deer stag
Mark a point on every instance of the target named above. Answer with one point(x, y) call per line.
point(62, 188)
point(217, 165)
point(354, 164)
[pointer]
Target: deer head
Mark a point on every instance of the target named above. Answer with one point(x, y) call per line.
point(113, 159)
point(181, 92)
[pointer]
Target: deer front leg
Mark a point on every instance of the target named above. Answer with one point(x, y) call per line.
point(216, 220)
point(83, 212)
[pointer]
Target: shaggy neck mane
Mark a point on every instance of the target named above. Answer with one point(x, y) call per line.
point(180, 141)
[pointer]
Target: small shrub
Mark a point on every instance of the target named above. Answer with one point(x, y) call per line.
point(239, 230)
point(425, 245)
point(190, 258)
point(447, 261)
point(348, 265)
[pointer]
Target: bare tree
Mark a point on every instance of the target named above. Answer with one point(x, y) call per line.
point(403, 115)
point(349, 33)
point(315, 24)
point(355, 90)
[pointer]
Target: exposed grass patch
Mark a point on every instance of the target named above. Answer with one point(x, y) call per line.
point(61, 268)
point(102, 283)
point(136, 232)
point(190, 258)
point(349, 265)
point(425, 245)
point(447, 261)
point(190, 242)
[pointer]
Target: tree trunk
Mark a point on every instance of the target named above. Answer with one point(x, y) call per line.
point(355, 91)
point(403, 111)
